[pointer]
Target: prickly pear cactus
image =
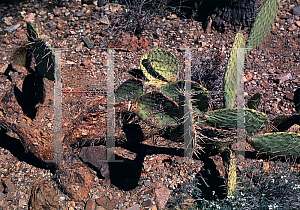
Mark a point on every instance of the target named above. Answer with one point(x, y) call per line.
point(263, 24)
point(227, 119)
point(254, 101)
point(160, 67)
point(156, 106)
point(37, 48)
point(129, 90)
point(230, 77)
point(230, 169)
point(199, 95)
point(277, 144)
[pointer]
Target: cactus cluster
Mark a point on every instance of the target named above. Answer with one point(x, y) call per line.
point(37, 48)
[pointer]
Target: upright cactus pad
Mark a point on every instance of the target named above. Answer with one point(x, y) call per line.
point(263, 24)
point(277, 144)
point(230, 169)
point(44, 59)
point(227, 119)
point(129, 90)
point(230, 77)
point(158, 108)
point(43, 55)
point(160, 67)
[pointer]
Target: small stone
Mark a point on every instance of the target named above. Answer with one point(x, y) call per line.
point(56, 11)
point(79, 14)
point(296, 10)
point(22, 203)
point(172, 17)
point(79, 47)
point(265, 84)
point(143, 42)
point(146, 203)
point(248, 77)
point(292, 27)
point(88, 43)
point(281, 29)
point(7, 20)
point(52, 25)
point(158, 32)
point(202, 36)
point(135, 207)
point(290, 96)
point(161, 195)
point(5, 40)
point(62, 198)
point(30, 17)
point(90, 205)
point(101, 201)
point(283, 78)
point(297, 23)
point(60, 26)
point(71, 204)
point(104, 19)
point(222, 43)
point(12, 28)
point(153, 207)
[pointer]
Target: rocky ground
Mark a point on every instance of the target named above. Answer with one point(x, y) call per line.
point(84, 31)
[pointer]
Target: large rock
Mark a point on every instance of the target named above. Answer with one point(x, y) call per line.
point(43, 196)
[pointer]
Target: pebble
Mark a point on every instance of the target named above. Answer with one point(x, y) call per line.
point(12, 28)
point(296, 10)
point(79, 14)
point(292, 27)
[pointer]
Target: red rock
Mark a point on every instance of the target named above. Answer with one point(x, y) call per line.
point(161, 195)
point(101, 201)
point(265, 84)
point(292, 27)
point(290, 96)
point(143, 42)
point(248, 77)
point(90, 205)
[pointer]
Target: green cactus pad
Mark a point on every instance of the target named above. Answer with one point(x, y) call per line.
point(156, 106)
point(227, 119)
point(160, 67)
point(230, 77)
point(254, 101)
point(263, 24)
point(277, 144)
point(199, 98)
point(19, 55)
point(43, 55)
point(129, 90)
point(32, 33)
point(230, 169)
point(44, 59)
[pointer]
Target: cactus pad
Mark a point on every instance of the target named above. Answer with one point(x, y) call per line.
point(263, 24)
point(254, 101)
point(227, 119)
point(230, 169)
point(129, 90)
point(199, 98)
point(160, 67)
point(277, 144)
point(156, 106)
point(230, 77)
point(19, 55)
